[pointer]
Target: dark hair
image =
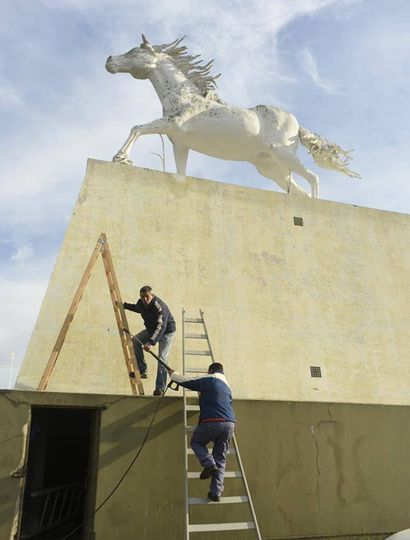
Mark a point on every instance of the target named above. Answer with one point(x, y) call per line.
point(216, 367)
point(145, 289)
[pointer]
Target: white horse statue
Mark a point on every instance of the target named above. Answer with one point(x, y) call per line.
point(195, 118)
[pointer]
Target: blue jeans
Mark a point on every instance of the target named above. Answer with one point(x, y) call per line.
point(164, 346)
point(220, 433)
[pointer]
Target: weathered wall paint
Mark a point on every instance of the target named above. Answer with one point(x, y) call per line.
point(278, 298)
point(14, 424)
point(315, 469)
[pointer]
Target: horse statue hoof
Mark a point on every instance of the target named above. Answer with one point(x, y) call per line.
point(120, 158)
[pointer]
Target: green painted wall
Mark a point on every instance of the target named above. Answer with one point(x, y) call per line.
point(315, 469)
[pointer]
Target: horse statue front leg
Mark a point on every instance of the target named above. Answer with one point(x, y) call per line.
point(181, 157)
point(160, 127)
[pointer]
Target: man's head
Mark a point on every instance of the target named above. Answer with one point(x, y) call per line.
point(146, 295)
point(216, 367)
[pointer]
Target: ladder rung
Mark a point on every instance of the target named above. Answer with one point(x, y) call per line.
point(199, 353)
point(203, 527)
point(230, 451)
point(229, 474)
point(224, 500)
point(196, 370)
point(196, 336)
point(193, 320)
point(192, 407)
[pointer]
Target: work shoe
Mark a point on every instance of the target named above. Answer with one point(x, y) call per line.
point(144, 375)
point(157, 393)
point(208, 472)
point(214, 498)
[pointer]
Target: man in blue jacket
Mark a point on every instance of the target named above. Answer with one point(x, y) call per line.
point(159, 328)
point(216, 423)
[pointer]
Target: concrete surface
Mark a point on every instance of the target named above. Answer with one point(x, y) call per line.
point(315, 470)
point(278, 298)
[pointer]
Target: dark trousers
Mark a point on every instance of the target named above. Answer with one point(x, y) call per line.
point(220, 433)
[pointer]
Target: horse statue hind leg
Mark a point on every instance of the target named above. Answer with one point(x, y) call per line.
point(280, 174)
point(290, 160)
point(277, 159)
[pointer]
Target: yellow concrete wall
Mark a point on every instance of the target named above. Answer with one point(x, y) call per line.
point(278, 298)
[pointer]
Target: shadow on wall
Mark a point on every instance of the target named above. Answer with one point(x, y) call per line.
point(114, 432)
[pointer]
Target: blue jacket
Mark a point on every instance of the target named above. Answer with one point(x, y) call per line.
point(215, 400)
point(158, 320)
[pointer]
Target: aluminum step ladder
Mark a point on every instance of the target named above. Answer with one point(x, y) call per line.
point(194, 335)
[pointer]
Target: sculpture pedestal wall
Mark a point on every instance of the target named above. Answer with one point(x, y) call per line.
point(278, 297)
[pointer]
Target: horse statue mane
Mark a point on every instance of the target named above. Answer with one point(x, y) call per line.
point(190, 66)
point(195, 118)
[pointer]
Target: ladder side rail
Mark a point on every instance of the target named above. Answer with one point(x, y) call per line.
point(118, 318)
point(245, 482)
point(70, 315)
point(207, 335)
point(122, 323)
point(183, 341)
point(186, 470)
point(185, 432)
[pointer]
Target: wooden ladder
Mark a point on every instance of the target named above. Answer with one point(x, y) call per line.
point(126, 342)
point(200, 335)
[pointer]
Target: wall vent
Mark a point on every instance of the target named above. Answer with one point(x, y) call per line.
point(315, 371)
point(298, 221)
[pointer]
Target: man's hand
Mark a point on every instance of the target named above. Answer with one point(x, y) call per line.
point(170, 371)
point(147, 347)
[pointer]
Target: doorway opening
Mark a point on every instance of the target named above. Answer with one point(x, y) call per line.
point(61, 473)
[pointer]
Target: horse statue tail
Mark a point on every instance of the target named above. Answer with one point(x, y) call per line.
point(326, 154)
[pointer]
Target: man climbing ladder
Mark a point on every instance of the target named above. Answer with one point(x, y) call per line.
point(216, 424)
point(159, 328)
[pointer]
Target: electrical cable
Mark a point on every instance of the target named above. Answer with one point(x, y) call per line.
point(125, 473)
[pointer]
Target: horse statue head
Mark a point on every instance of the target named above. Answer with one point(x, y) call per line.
point(138, 62)
point(171, 59)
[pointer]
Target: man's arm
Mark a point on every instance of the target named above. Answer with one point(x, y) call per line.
point(187, 382)
point(132, 307)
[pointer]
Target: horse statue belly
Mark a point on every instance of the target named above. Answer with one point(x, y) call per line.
point(224, 132)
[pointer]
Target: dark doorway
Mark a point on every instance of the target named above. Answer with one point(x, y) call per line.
point(61, 473)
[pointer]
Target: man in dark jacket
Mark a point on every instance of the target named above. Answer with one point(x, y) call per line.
point(159, 328)
point(216, 423)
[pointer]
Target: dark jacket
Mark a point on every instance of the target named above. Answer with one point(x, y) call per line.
point(158, 320)
point(215, 401)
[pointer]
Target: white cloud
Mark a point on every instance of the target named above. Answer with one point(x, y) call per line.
point(10, 96)
point(309, 65)
point(22, 254)
point(21, 299)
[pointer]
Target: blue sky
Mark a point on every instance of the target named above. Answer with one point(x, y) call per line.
point(341, 66)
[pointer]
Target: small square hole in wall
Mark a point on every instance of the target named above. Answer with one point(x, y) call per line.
point(315, 371)
point(298, 221)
